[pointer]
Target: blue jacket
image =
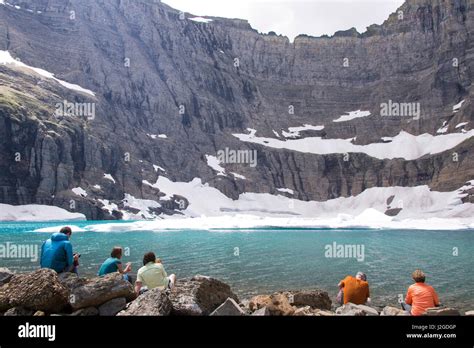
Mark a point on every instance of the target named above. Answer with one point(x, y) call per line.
point(56, 253)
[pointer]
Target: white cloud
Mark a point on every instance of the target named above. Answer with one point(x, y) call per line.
point(291, 18)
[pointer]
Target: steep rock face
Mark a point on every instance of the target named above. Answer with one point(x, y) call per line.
point(154, 71)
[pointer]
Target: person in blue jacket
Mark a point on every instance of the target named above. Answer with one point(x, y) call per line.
point(56, 252)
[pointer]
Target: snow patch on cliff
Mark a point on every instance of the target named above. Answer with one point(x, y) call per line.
point(6, 58)
point(294, 132)
point(201, 20)
point(352, 115)
point(404, 145)
point(214, 163)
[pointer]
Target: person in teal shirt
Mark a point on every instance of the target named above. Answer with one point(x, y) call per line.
point(114, 264)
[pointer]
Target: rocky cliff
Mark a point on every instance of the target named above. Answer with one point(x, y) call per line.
point(170, 90)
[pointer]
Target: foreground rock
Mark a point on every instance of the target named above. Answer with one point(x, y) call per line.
point(97, 291)
point(393, 311)
point(199, 295)
point(18, 312)
point(276, 304)
point(308, 311)
point(5, 275)
point(262, 312)
point(316, 299)
point(112, 307)
point(229, 308)
point(37, 291)
point(442, 312)
point(469, 313)
point(152, 303)
point(350, 309)
point(86, 312)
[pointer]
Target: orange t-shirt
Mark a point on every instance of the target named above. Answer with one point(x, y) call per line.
point(356, 291)
point(421, 297)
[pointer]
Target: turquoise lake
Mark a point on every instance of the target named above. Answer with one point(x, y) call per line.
point(266, 260)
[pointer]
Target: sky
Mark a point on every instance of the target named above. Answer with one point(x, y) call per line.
point(294, 17)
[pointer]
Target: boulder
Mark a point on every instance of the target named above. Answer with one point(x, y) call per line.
point(86, 312)
point(350, 309)
point(18, 312)
point(96, 291)
point(261, 312)
point(280, 306)
point(5, 275)
point(112, 307)
point(469, 313)
point(442, 312)
point(276, 304)
point(39, 314)
point(393, 311)
point(152, 303)
point(314, 298)
point(199, 296)
point(259, 301)
point(229, 308)
point(40, 290)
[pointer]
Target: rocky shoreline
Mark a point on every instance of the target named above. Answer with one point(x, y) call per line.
point(45, 293)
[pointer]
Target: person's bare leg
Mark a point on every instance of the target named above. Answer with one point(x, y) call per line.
point(172, 279)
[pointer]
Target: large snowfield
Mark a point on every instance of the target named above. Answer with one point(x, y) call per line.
point(419, 208)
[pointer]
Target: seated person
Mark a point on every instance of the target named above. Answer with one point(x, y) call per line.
point(420, 296)
point(354, 290)
point(153, 275)
point(56, 252)
point(114, 264)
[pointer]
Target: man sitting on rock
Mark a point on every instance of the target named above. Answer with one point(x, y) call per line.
point(420, 296)
point(153, 275)
point(56, 252)
point(354, 290)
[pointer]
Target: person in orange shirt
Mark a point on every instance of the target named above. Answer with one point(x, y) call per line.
point(354, 290)
point(420, 296)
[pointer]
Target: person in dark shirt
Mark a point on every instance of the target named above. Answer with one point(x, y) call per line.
point(114, 264)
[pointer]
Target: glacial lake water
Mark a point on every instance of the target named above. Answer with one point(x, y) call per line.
point(265, 260)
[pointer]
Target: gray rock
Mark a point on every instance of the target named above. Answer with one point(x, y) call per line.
point(86, 312)
point(39, 290)
point(18, 312)
point(229, 308)
point(112, 307)
point(440, 312)
point(5, 275)
point(99, 290)
point(152, 303)
point(39, 314)
point(350, 309)
point(392, 311)
point(199, 296)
